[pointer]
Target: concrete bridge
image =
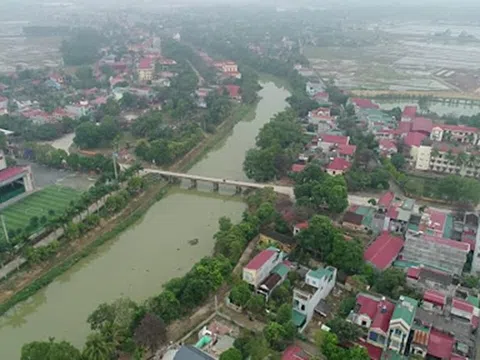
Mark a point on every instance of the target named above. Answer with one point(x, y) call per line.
point(216, 182)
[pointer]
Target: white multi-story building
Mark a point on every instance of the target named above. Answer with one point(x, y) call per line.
point(457, 133)
point(317, 285)
point(261, 265)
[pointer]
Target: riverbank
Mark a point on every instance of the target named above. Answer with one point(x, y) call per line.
point(27, 282)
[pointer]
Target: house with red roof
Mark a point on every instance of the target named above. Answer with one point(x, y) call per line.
point(233, 91)
point(422, 125)
point(387, 147)
point(373, 314)
point(296, 168)
point(146, 69)
point(329, 142)
point(338, 166)
point(257, 270)
point(455, 133)
point(346, 151)
point(299, 227)
point(294, 352)
point(321, 97)
point(360, 103)
point(383, 251)
point(434, 300)
point(409, 113)
point(321, 116)
point(385, 201)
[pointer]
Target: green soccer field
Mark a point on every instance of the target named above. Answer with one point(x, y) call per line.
point(57, 198)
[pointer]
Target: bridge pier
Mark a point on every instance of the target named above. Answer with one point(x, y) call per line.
point(238, 189)
point(193, 184)
point(216, 186)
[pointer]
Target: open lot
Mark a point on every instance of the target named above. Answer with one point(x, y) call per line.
point(57, 198)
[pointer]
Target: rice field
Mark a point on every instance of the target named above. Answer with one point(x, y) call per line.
point(48, 202)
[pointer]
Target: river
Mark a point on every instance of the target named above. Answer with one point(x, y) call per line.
point(145, 256)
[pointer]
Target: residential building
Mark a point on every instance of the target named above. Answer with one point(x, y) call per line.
point(398, 215)
point(321, 116)
point(313, 88)
point(359, 103)
point(448, 159)
point(345, 151)
point(276, 277)
point(409, 113)
point(328, 142)
point(383, 251)
point(257, 270)
point(423, 279)
point(387, 147)
point(435, 252)
point(233, 92)
point(297, 168)
point(455, 133)
point(189, 352)
point(434, 300)
point(422, 125)
point(338, 166)
point(146, 69)
point(306, 296)
point(294, 352)
point(413, 141)
point(374, 315)
point(321, 97)
point(401, 324)
point(299, 227)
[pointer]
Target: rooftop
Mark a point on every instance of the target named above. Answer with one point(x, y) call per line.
point(339, 164)
point(435, 297)
point(364, 103)
point(447, 242)
point(440, 344)
point(260, 259)
point(405, 309)
point(422, 124)
point(386, 199)
point(321, 273)
point(383, 251)
point(345, 149)
point(410, 111)
point(297, 168)
point(11, 172)
point(334, 139)
point(414, 138)
point(189, 352)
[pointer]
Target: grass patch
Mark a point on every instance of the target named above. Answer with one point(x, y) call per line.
point(53, 198)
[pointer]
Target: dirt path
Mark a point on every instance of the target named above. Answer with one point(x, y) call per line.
point(25, 277)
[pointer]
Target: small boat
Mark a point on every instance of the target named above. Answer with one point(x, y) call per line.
point(193, 241)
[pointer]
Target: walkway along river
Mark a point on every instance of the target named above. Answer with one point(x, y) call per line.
point(139, 261)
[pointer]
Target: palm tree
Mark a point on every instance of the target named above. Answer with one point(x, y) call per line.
point(449, 156)
point(97, 348)
point(461, 159)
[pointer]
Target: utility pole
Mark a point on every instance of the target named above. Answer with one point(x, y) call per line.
point(5, 228)
point(114, 158)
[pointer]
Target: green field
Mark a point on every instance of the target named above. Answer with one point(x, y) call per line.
point(57, 198)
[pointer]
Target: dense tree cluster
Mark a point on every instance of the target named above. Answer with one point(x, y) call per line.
point(168, 144)
point(29, 131)
point(82, 48)
point(452, 188)
point(315, 188)
point(329, 345)
point(278, 143)
point(326, 243)
point(90, 135)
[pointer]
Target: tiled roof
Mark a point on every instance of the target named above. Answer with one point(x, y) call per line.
point(145, 64)
point(367, 306)
point(345, 149)
point(462, 305)
point(387, 144)
point(302, 225)
point(294, 352)
point(414, 138)
point(410, 111)
point(435, 297)
point(383, 251)
point(440, 344)
point(413, 272)
point(297, 168)
point(10, 172)
point(422, 124)
point(383, 315)
point(334, 139)
point(339, 164)
point(456, 127)
point(260, 259)
point(386, 199)
point(233, 90)
point(404, 127)
point(364, 103)
point(352, 218)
